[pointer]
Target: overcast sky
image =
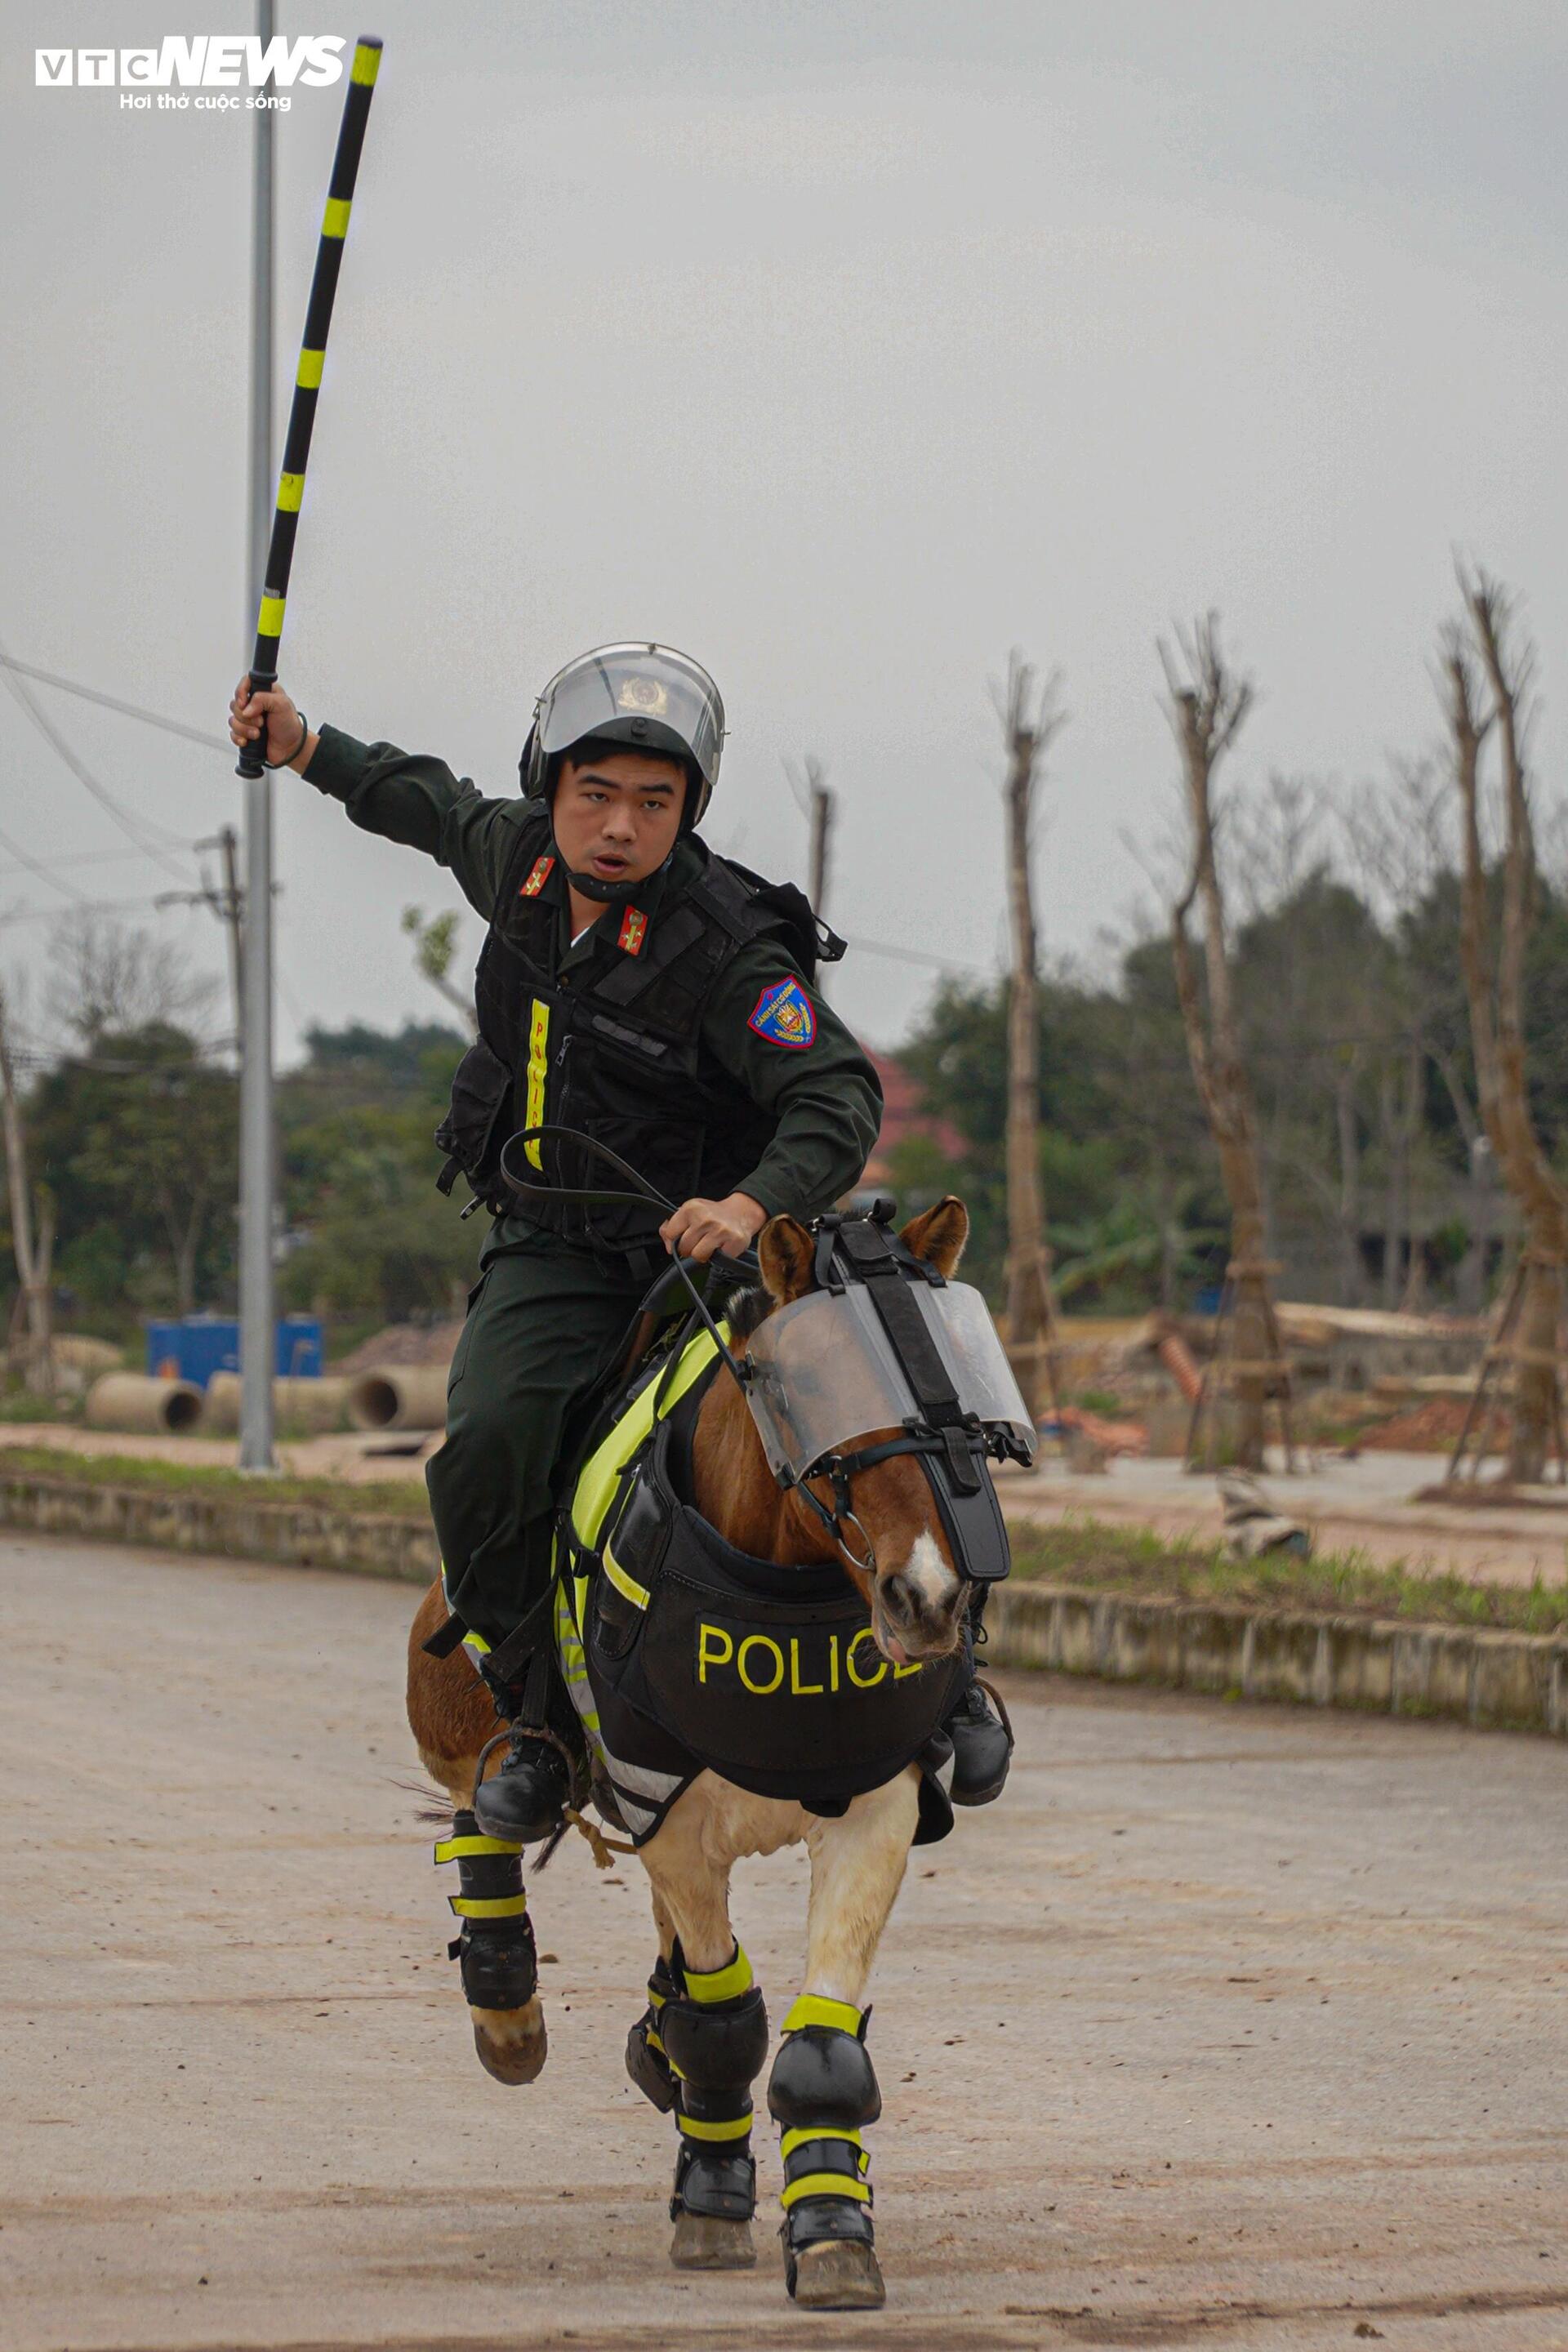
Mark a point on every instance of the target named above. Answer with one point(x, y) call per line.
point(843, 344)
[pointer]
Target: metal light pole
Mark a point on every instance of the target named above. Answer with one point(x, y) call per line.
point(257, 1315)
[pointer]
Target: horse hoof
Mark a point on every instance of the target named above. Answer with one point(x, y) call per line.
point(705, 2242)
point(512, 2044)
point(838, 2274)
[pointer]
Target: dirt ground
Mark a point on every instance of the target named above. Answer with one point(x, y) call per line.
point(1233, 2026)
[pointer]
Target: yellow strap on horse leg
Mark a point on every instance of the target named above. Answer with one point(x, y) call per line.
point(798, 2135)
point(459, 1848)
point(732, 2127)
point(488, 1906)
point(720, 1984)
point(812, 2009)
point(824, 2184)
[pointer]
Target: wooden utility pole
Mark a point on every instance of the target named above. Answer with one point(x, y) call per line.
point(820, 811)
point(1487, 678)
point(228, 844)
point(1031, 720)
point(32, 1242)
point(1206, 704)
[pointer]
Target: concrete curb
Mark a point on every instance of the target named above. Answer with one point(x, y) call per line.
point(233, 1527)
point(1382, 1666)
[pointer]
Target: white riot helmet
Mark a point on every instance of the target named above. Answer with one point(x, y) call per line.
point(647, 697)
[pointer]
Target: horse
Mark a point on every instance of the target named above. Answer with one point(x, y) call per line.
point(704, 2036)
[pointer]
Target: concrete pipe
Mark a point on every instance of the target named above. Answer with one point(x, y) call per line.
point(400, 1396)
point(132, 1400)
point(310, 1405)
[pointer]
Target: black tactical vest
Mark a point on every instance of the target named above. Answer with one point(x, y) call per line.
point(613, 1047)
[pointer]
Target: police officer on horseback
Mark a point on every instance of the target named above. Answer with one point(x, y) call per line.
point(640, 989)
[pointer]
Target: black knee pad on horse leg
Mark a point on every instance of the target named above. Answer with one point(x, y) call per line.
point(715, 2035)
point(647, 2062)
point(823, 2088)
point(823, 2073)
point(495, 1949)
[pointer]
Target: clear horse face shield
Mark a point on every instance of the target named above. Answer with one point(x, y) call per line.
point(825, 1374)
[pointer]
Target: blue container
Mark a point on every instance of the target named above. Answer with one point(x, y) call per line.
point(201, 1345)
point(297, 1355)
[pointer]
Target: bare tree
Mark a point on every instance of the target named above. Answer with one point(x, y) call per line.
point(32, 1230)
point(1487, 671)
point(1031, 720)
point(1404, 844)
point(1206, 704)
point(105, 979)
point(435, 950)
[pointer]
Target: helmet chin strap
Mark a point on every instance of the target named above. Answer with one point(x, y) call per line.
point(609, 894)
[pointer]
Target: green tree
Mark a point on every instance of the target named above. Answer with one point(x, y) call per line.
point(139, 1140)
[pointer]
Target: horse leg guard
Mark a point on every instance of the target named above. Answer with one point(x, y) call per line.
point(822, 2090)
point(647, 2062)
point(714, 2030)
point(495, 1949)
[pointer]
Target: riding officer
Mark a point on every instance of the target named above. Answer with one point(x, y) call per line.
point(638, 988)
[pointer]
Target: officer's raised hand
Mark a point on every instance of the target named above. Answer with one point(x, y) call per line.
point(705, 1228)
point(289, 741)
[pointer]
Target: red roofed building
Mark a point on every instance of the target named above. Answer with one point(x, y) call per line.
point(902, 1116)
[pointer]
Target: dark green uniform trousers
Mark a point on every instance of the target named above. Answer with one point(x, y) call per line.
point(546, 1322)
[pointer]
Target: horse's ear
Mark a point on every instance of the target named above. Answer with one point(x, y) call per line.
point(938, 1236)
point(785, 1251)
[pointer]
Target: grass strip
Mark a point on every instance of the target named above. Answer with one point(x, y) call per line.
point(1085, 1552)
point(399, 1498)
point(1089, 1554)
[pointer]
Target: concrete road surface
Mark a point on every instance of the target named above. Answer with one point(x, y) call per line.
point(1230, 2026)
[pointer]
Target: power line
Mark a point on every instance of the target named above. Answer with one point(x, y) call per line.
point(30, 865)
point(133, 828)
point(83, 906)
point(914, 955)
point(112, 702)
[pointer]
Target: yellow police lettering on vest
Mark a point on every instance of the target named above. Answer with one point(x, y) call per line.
point(797, 1688)
point(732, 1657)
point(760, 1641)
point(712, 1656)
point(861, 1681)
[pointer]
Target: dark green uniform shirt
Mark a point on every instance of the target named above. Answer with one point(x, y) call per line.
point(827, 1098)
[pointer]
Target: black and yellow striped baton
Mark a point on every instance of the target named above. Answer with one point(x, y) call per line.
point(307, 382)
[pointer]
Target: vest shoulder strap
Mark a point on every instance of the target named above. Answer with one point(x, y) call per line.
point(687, 950)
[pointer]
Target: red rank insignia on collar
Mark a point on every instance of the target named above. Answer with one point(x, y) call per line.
point(633, 931)
point(537, 879)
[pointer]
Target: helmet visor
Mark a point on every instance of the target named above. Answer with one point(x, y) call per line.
point(636, 695)
point(826, 1374)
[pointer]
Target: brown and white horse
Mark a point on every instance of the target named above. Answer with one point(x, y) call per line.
point(915, 1597)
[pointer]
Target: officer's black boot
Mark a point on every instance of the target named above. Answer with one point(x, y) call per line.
point(524, 1801)
point(981, 1747)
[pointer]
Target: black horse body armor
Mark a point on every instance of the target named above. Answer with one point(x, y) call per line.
point(682, 1652)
